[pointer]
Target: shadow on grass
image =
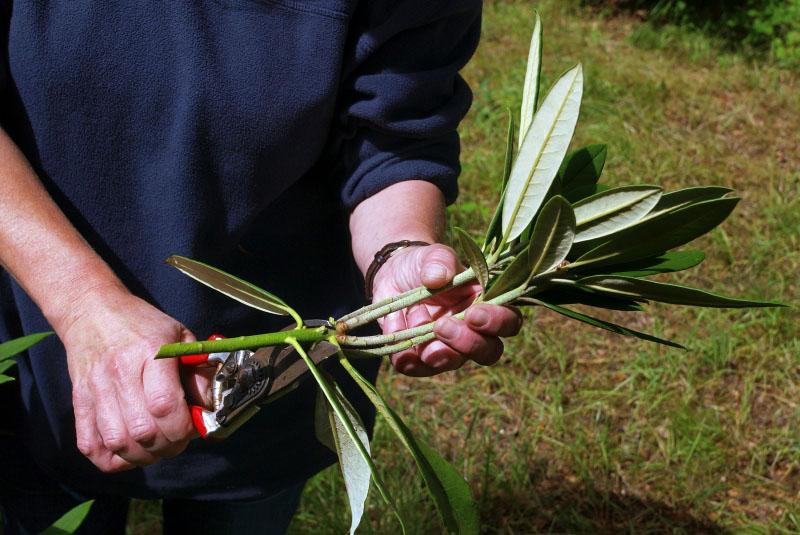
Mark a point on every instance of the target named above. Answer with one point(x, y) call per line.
point(562, 507)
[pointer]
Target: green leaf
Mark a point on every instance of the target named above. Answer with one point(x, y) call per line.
point(513, 276)
point(18, 345)
point(619, 329)
point(684, 197)
point(5, 379)
point(631, 287)
point(71, 521)
point(657, 235)
point(666, 263)
point(475, 257)
point(355, 470)
point(613, 210)
point(234, 287)
point(580, 171)
point(6, 364)
point(495, 230)
point(552, 236)
point(569, 295)
point(541, 153)
point(530, 90)
point(450, 493)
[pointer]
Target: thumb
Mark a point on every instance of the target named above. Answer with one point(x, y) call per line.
point(437, 265)
point(197, 379)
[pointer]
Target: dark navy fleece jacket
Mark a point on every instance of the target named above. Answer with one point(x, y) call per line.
point(238, 132)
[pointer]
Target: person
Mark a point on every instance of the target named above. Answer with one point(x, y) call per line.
point(285, 141)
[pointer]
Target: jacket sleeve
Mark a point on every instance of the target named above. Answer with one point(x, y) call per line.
point(401, 97)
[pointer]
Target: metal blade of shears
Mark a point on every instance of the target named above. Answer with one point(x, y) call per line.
point(289, 369)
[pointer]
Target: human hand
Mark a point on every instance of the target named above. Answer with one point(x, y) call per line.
point(476, 338)
point(129, 408)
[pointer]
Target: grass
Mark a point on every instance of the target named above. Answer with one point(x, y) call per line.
point(578, 430)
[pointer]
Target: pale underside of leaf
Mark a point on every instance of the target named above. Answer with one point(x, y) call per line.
point(631, 287)
point(541, 153)
point(355, 470)
point(344, 411)
point(18, 345)
point(530, 90)
point(552, 236)
point(450, 492)
point(613, 210)
point(234, 287)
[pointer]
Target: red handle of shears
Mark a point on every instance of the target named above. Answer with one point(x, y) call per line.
point(200, 359)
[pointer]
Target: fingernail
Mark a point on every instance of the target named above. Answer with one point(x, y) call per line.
point(447, 328)
point(435, 272)
point(478, 317)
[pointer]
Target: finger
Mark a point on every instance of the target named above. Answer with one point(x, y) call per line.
point(140, 425)
point(111, 426)
point(408, 363)
point(472, 345)
point(439, 357)
point(417, 315)
point(109, 462)
point(197, 379)
point(437, 265)
point(165, 401)
point(494, 320)
point(87, 437)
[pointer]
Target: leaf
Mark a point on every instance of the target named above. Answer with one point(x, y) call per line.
point(541, 153)
point(495, 230)
point(613, 210)
point(666, 263)
point(684, 197)
point(530, 90)
point(18, 345)
point(322, 422)
point(234, 287)
point(344, 414)
point(619, 329)
point(657, 235)
point(450, 493)
point(5, 379)
point(475, 257)
point(6, 364)
point(631, 287)
point(552, 236)
point(580, 171)
point(355, 469)
point(71, 521)
point(568, 295)
point(513, 276)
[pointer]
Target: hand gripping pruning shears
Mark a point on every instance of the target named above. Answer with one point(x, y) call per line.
point(246, 380)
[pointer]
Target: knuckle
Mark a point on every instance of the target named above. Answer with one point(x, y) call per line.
point(87, 447)
point(162, 404)
point(142, 431)
point(115, 441)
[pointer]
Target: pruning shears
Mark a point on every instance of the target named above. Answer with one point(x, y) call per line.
point(246, 380)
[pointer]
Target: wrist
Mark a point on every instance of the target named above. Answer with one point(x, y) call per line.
point(91, 289)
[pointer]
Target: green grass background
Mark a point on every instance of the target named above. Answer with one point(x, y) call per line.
point(579, 430)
